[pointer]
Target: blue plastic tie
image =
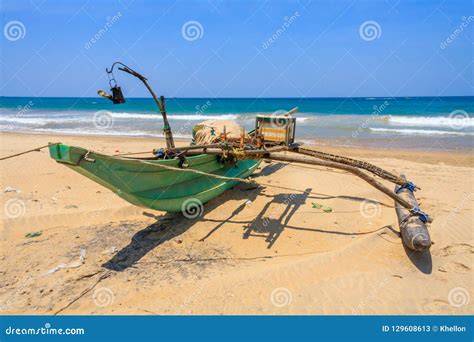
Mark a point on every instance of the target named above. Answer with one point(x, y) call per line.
point(409, 185)
point(160, 153)
point(421, 214)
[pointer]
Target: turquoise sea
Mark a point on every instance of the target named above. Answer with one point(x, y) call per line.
point(437, 123)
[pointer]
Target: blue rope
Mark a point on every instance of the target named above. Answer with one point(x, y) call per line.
point(409, 185)
point(161, 153)
point(421, 214)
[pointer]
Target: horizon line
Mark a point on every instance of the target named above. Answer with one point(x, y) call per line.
point(253, 98)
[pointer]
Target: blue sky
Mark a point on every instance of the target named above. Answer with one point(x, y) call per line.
point(321, 51)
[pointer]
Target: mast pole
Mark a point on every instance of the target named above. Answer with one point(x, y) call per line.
point(161, 106)
point(160, 102)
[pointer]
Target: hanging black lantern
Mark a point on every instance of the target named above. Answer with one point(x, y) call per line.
point(117, 95)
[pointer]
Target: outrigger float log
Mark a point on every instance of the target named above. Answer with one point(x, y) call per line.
point(182, 179)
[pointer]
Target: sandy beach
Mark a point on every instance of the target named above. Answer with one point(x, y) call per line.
point(249, 253)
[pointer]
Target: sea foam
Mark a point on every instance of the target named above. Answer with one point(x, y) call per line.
point(409, 131)
point(432, 121)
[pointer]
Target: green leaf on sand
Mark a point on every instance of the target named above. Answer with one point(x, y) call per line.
point(320, 206)
point(33, 234)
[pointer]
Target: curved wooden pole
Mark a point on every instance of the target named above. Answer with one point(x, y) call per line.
point(260, 154)
point(347, 168)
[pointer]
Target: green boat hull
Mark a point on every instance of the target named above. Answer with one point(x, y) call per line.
point(152, 186)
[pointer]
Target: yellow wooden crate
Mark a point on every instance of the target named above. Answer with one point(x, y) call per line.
point(276, 129)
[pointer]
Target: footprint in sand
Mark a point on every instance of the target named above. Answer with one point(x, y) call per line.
point(461, 248)
point(453, 266)
point(435, 306)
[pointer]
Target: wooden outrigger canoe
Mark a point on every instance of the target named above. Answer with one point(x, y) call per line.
point(183, 179)
point(152, 183)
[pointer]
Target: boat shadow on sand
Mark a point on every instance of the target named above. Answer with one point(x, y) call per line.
point(269, 223)
point(171, 225)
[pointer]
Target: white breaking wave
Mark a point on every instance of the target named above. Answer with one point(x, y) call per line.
point(93, 132)
point(186, 117)
point(88, 117)
point(41, 121)
point(409, 131)
point(198, 117)
point(432, 121)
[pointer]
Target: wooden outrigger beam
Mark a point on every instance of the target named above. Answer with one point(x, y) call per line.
point(413, 229)
point(352, 162)
point(273, 155)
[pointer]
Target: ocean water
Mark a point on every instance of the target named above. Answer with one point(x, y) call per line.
point(435, 123)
